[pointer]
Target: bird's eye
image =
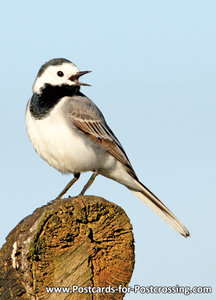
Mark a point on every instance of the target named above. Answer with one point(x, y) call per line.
point(60, 73)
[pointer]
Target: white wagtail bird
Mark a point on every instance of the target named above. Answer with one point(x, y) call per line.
point(70, 133)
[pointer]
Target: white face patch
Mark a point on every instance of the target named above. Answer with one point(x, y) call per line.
point(50, 76)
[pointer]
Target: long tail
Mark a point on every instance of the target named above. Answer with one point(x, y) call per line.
point(161, 210)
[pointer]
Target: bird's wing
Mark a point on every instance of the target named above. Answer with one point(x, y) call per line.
point(88, 119)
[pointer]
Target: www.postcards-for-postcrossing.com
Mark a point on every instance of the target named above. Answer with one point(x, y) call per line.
point(177, 289)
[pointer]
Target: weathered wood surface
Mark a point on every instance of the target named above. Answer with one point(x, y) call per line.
point(84, 241)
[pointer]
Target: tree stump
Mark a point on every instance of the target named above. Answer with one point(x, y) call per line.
point(85, 241)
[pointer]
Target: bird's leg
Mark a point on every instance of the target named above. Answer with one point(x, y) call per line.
point(89, 183)
point(76, 177)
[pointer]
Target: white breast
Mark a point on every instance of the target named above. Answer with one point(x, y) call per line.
point(61, 146)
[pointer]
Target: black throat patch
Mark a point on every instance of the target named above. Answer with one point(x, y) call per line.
point(41, 104)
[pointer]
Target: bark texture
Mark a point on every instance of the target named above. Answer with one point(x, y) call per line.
point(83, 241)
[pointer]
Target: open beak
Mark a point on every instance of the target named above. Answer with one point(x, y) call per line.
point(75, 78)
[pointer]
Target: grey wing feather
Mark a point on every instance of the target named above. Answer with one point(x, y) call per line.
point(88, 119)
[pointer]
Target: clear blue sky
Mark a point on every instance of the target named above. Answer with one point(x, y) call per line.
point(154, 73)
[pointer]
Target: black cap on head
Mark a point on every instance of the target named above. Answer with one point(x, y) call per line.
point(52, 62)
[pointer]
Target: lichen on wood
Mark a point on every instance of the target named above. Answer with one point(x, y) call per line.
point(84, 241)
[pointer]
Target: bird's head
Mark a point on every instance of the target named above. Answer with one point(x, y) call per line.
point(57, 72)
